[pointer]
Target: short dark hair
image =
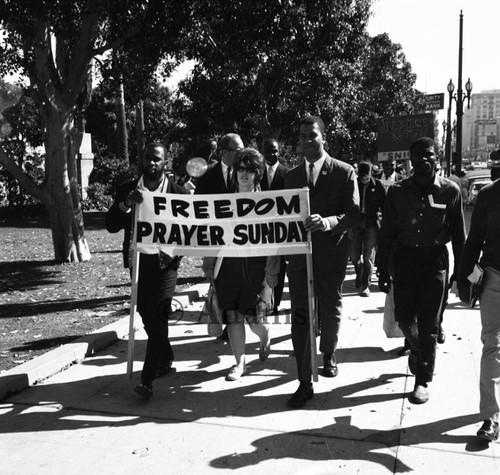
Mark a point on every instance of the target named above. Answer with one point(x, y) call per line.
point(226, 140)
point(252, 160)
point(364, 168)
point(151, 145)
point(423, 142)
point(495, 172)
point(312, 119)
point(270, 140)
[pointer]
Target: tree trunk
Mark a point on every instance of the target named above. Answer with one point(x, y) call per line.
point(139, 127)
point(62, 196)
point(121, 125)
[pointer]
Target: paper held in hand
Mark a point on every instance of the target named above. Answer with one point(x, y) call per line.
point(476, 280)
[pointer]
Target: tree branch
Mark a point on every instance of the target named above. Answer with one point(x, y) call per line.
point(81, 57)
point(118, 41)
point(18, 173)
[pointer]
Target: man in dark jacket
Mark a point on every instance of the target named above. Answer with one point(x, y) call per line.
point(274, 179)
point(157, 272)
point(219, 176)
point(365, 234)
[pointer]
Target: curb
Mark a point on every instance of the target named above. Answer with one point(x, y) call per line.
point(30, 373)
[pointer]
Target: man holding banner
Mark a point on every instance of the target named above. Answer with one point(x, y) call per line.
point(334, 208)
point(157, 275)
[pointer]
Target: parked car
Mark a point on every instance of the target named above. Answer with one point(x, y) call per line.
point(474, 186)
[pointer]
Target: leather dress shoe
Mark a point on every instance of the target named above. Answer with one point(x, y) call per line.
point(303, 394)
point(441, 338)
point(419, 395)
point(144, 389)
point(489, 430)
point(365, 292)
point(404, 350)
point(330, 368)
point(163, 369)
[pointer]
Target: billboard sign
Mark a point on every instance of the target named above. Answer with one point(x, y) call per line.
point(396, 134)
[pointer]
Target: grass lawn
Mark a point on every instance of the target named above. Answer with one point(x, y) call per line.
point(44, 305)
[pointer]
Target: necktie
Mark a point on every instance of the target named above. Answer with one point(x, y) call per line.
point(363, 199)
point(310, 179)
point(269, 175)
point(228, 177)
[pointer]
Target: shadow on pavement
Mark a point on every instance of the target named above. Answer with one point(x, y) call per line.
point(322, 445)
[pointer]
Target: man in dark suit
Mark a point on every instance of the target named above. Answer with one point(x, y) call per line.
point(274, 179)
point(334, 204)
point(157, 272)
point(219, 176)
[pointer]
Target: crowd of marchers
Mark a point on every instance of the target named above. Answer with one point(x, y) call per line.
point(397, 222)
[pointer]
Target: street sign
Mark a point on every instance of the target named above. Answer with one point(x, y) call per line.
point(434, 102)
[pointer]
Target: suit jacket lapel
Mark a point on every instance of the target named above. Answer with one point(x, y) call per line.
point(325, 170)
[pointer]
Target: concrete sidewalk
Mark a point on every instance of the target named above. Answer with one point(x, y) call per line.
point(87, 418)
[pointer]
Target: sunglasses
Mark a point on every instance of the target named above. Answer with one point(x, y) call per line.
point(243, 170)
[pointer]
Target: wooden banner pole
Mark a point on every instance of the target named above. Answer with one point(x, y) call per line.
point(133, 299)
point(312, 304)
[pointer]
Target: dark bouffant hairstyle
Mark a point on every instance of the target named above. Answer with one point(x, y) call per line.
point(252, 160)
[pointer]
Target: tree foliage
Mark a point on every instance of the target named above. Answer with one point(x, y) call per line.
point(386, 90)
point(54, 43)
point(283, 59)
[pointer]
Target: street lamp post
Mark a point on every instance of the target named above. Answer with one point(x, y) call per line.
point(447, 151)
point(461, 96)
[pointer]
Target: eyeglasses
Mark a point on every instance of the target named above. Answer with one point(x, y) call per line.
point(232, 149)
point(243, 170)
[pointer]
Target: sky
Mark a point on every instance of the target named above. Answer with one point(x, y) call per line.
point(428, 32)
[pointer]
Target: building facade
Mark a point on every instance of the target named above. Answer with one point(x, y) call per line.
point(481, 125)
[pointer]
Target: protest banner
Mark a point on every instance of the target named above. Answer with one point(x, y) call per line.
point(224, 225)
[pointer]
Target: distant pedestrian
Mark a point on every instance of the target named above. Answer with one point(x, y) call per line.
point(420, 216)
point(274, 179)
point(483, 246)
point(157, 272)
point(365, 233)
point(389, 174)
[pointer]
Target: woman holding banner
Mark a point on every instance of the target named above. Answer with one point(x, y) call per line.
point(244, 284)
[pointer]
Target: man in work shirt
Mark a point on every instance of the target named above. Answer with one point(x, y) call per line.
point(421, 214)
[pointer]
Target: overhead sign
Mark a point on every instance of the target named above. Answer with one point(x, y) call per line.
point(396, 134)
point(265, 223)
point(434, 102)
